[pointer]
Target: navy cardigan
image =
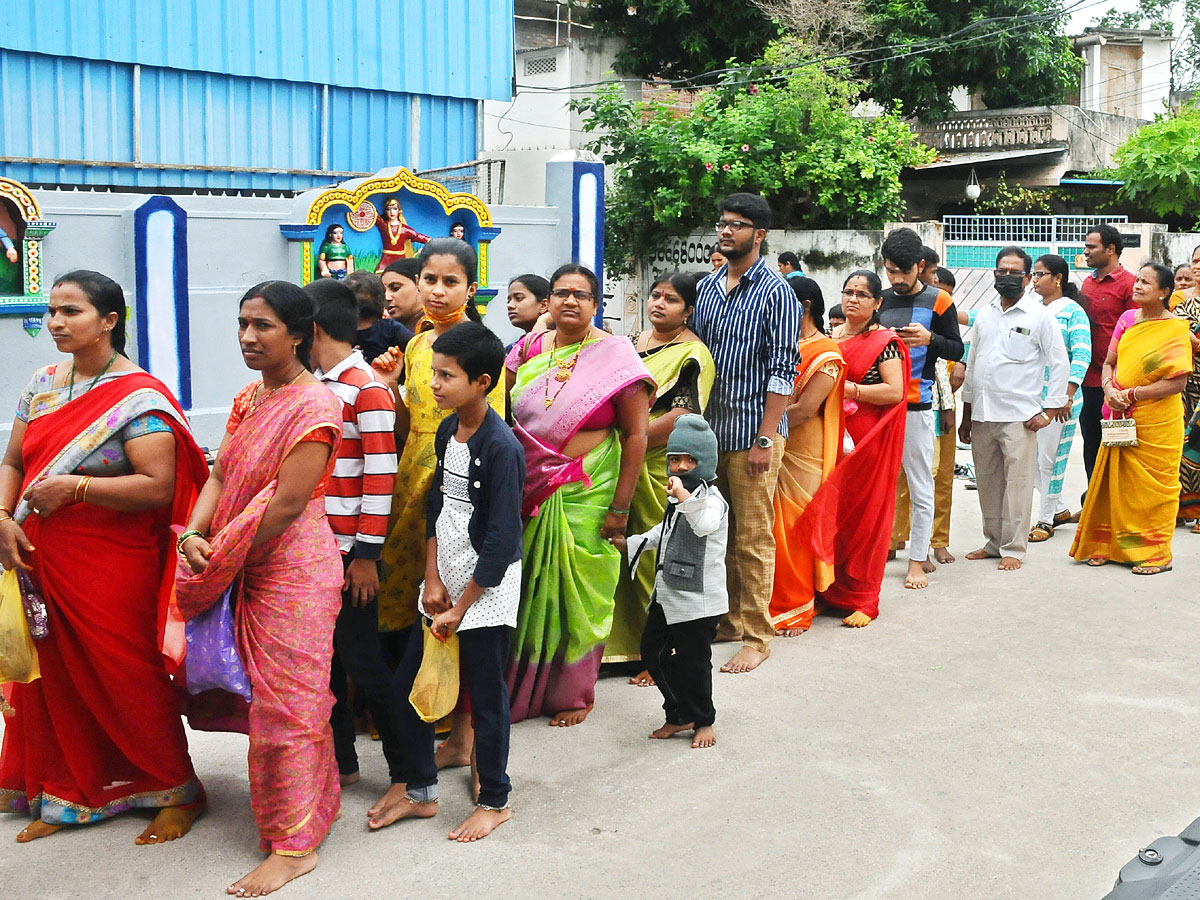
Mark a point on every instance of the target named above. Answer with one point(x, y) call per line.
point(497, 481)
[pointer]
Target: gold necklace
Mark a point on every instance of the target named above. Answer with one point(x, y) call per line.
point(665, 343)
point(566, 368)
point(255, 404)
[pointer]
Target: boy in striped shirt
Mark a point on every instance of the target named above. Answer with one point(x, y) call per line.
point(358, 501)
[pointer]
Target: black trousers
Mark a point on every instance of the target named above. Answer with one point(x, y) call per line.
point(357, 652)
point(483, 654)
point(1089, 427)
point(679, 658)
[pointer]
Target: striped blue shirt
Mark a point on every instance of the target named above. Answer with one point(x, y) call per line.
point(752, 333)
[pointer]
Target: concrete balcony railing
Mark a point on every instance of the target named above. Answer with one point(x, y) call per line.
point(1008, 129)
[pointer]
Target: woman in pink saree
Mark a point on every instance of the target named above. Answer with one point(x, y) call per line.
point(261, 518)
point(581, 408)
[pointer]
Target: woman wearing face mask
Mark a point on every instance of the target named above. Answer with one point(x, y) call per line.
point(1133, 496)
point(847, 526)
point(814, 445)
point(684, 371)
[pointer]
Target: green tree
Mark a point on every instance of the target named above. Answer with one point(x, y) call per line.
point(791, 138)
point(682, 39)
point(914, 52)
point(1160, 165)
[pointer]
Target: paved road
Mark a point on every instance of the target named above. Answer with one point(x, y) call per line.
point(997, 736)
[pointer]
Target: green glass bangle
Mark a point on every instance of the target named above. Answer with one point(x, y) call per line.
point(618, 512)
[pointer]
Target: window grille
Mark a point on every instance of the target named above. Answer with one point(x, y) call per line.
point(1023, 229)
point(540, 65)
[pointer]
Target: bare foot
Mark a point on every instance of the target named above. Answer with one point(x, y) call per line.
point(704, 738)
point(943, 555)
point(273, 873)
point(789, 632)
point(642, 679)
point(1009, 564)
point(349, 778)
point(1096, 561)
point(480, 824)
point(857, 619)
point(915, 579)
point(569, 717)
point(668, 730)
point(170, 824)
point(455, 751)
point(404, 809)
point(746, 660)
point(35, 830)
point(928, 567)
point(982, 553)
point(395, 794)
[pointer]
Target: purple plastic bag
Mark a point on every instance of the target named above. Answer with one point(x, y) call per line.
point(212, 655)
point(35, 608)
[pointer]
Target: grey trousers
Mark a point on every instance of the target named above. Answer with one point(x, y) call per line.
point(1005, 455)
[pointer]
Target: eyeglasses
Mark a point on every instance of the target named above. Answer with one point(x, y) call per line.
point(1000, 273)
point(1036, 274)
point(859, 295)
point(563, 294)
point(733, 225)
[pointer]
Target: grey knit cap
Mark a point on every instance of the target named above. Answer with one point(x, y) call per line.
point(691, 435)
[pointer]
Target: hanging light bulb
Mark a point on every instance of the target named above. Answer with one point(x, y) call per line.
point(973, 189)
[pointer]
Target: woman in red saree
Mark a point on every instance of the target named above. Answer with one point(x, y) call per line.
point(814, 446)
point(847, 526)
point(261, 518)
point(100, 464)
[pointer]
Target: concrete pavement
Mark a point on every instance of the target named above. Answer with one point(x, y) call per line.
point(999, 735)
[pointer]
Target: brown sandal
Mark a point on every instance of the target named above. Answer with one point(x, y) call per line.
point(1042, 531)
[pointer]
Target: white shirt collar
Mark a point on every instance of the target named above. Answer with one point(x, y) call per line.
point(335, 373)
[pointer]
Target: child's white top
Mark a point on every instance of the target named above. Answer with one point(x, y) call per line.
point(457, 558)
point(690, 544)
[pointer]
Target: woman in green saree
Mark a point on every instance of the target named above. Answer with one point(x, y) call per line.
point(580, 402)
point(684, 371)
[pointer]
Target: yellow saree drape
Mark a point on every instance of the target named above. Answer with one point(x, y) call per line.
point(813, 449)
point(1129, 514)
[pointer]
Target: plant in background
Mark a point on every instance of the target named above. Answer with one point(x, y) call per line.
point(782, 127)
point(1160, 165)
point(1006, 200)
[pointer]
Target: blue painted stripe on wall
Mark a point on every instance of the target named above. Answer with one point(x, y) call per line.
point(451, 48)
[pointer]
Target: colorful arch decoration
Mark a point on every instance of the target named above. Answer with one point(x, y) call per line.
point(357, 206)
point(22, 285)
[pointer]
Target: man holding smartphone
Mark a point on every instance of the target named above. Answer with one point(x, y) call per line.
point(925, 319)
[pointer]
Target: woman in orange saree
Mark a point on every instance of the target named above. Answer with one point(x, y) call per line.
point(261, 518)
point(814, 446)
point(847, 524)
point(100, 464)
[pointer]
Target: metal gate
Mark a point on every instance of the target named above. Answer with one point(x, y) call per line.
point(972, 242)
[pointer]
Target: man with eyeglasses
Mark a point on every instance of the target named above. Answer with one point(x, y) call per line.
point(749, 318)
point(1016, 341)
point(1107, 293)
point(925, 319)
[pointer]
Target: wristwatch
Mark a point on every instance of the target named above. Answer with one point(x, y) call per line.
point(764, 441)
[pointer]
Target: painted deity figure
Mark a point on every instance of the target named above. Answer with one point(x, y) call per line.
point(397, 235)
point(10, 249)
point(335, 259)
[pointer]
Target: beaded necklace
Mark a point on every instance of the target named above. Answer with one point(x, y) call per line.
point(71, 389)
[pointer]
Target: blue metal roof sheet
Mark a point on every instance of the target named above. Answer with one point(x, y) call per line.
point(453, 48)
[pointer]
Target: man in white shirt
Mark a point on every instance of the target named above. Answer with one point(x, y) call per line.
point(1015, 343)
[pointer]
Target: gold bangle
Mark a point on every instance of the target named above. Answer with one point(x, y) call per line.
point(86, 487)
point(82, 486)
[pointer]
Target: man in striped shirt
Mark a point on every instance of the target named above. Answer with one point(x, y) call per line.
point(749, 317)
point(358, 501)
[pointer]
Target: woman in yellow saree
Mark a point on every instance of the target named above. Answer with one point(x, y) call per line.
point(814, 446)
point(1129, 514)
point(684, 371)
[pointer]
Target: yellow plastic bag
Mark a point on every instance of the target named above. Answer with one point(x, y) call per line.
point(18, 654)
point(435, 689)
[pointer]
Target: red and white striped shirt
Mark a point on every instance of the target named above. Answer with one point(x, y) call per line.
point(358, 499)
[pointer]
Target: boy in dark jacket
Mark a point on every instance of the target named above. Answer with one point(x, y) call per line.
point(472, 576)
